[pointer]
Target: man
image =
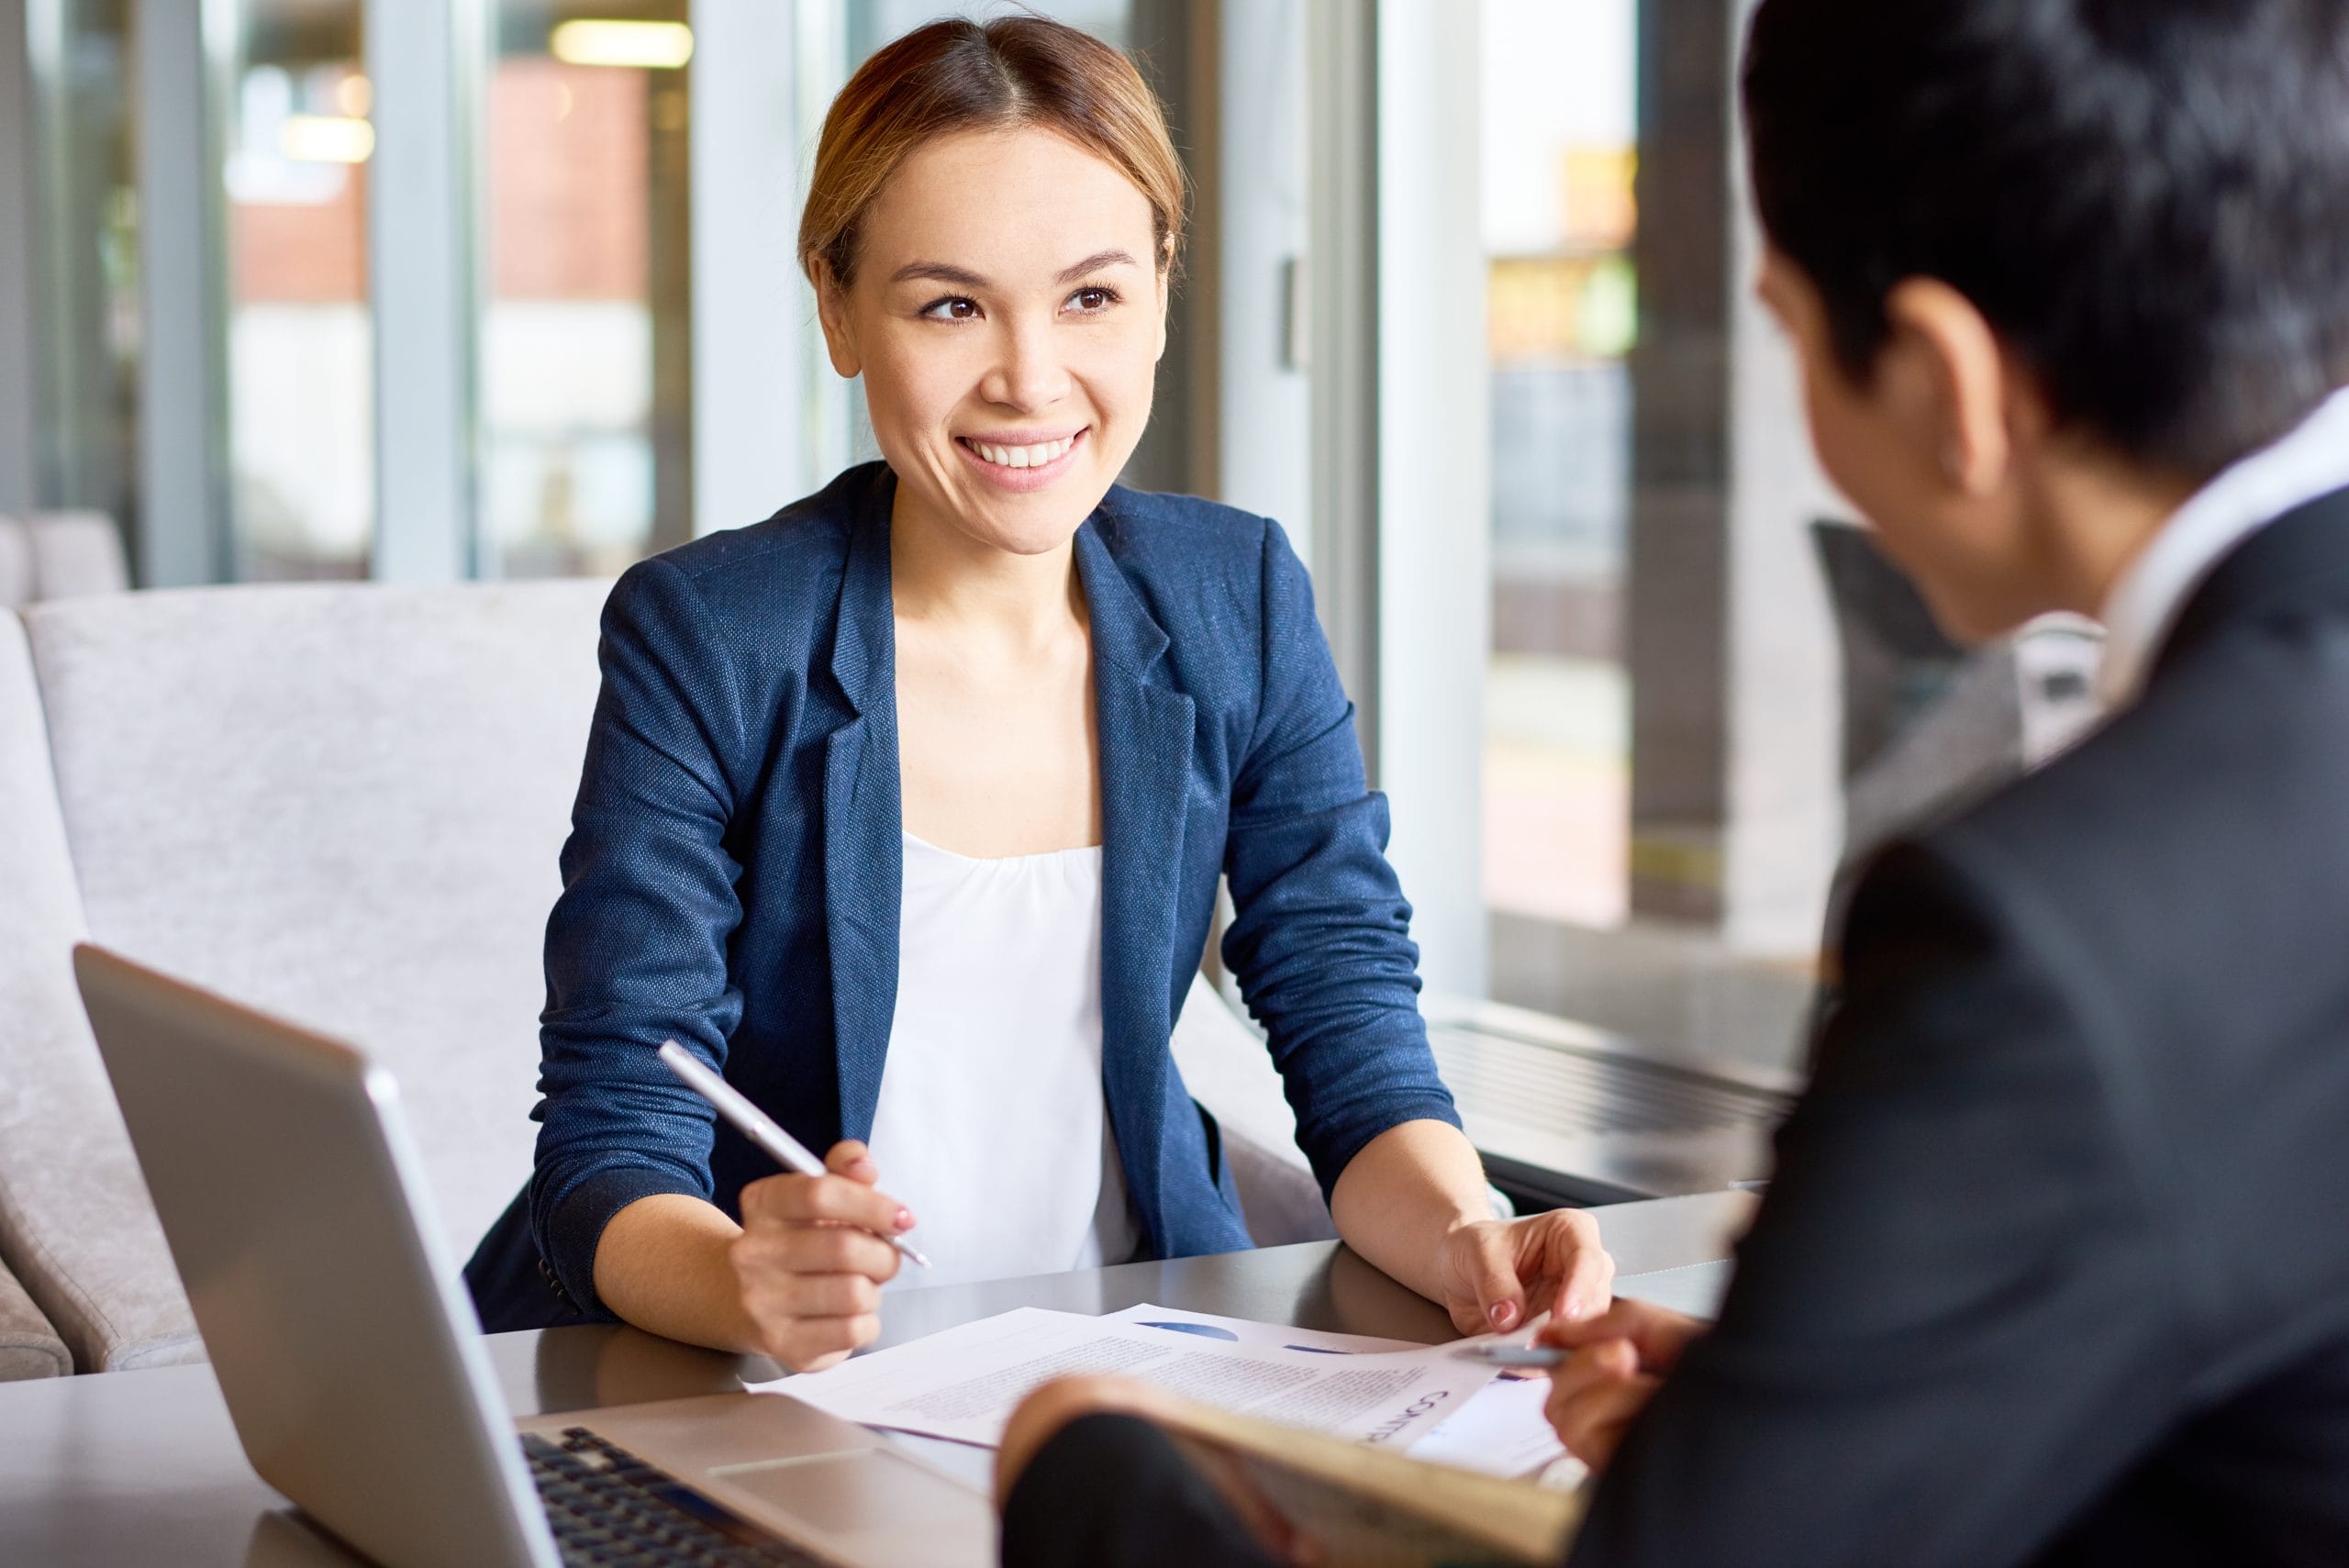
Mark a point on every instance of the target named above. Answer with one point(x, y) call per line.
point(2055, 1265)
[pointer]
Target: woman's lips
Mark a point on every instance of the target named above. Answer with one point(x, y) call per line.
point(1021, 470)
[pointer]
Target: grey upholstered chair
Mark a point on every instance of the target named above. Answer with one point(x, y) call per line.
point(39, 1016)
point(341, 804)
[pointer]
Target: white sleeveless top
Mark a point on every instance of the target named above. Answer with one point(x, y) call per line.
point(992, 1127)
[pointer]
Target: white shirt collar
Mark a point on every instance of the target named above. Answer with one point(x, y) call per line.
point(2310, 463)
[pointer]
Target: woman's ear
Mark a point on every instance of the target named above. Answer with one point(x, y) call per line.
point(1956, 383)
point(832, 311)
point(1166, 293)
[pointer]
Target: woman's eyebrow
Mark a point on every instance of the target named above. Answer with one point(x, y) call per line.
point(938, 272)
point(1095, 263)
point(962, 277)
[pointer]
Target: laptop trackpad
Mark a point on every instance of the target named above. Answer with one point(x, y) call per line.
point(847, 1493)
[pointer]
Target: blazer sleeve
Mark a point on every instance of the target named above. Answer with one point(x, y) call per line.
point(1320, 943)
point(636, 948)
point(1957, 1318)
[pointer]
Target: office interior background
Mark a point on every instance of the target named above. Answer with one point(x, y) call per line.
point(500, 289)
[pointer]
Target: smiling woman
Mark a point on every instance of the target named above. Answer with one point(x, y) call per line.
point(908, 808)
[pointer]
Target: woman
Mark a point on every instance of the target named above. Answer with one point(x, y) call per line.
point(908, 806)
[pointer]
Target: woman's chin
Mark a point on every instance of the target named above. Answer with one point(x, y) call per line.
point(1032, 537)
point(1037, 523)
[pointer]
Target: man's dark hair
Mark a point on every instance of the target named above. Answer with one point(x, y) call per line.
point(2147, 199)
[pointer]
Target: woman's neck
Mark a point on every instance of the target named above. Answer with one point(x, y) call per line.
point(941, 577)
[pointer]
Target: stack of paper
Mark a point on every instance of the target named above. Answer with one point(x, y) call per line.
point(963, 1385)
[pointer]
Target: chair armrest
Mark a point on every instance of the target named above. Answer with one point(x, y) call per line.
point(1226, 1068)
point(28, 1346)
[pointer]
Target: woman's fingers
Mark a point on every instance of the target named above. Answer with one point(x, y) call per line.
point(809, 1263)
point(811, 1344)
point(1498, 1274)
point(776, 1248)
point(814, 1200)
point(853, 1159)
point(1488, 1294)
point(812, 1296)
point(1562, 1250)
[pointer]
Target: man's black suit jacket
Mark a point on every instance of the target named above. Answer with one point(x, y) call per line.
point(2055, 1266)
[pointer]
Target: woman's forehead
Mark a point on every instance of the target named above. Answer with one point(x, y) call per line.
point(1016, 205)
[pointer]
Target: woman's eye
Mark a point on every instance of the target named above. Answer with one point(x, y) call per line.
point(1089, 300)
point(952, 310)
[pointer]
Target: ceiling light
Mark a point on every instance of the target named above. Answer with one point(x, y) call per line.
point(648, 46)
point(325, 139)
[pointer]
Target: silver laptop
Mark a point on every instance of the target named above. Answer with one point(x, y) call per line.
point(297, 1210)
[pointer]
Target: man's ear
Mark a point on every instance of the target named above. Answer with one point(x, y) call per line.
point(1954, 382)
point(832, 311)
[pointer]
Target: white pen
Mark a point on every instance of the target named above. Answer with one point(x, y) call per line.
point(756, 1125)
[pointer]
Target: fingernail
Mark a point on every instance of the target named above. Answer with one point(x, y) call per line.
point(904, 1220)
point(1503, 1314)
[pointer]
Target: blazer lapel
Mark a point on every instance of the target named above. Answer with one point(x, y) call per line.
point(1146, 732)
point(863, 852)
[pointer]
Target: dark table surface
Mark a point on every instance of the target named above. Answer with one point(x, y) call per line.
point(129, 1468)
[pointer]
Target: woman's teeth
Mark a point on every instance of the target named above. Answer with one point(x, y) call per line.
point(1021, 457)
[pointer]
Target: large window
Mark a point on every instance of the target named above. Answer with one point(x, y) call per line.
point(1660, 815)
point(1558, 218)
point(84, 257)
point(300, 350)
point(585, 384)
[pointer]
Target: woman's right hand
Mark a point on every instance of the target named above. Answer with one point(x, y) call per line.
point(810, 1261)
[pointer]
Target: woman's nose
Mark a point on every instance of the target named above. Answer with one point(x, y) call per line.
point(1027, 373)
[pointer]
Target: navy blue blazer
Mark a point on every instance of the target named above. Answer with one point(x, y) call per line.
point(733, 876)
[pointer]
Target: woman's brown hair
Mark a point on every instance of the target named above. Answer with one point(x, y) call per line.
point(958, 75)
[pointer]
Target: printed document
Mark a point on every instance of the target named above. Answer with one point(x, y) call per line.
point(963, 1384)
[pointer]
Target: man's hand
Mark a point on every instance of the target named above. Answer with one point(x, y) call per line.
point(1496, 1274)
point(1043, 1413)
point(1621, 1358)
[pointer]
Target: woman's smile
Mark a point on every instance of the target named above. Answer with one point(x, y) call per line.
point(1021, 462)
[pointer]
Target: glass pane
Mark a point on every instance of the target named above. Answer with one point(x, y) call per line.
point(1661, 816)
point(87, 271)
point(1559, 134)
point(301, 342)
point(585, 378)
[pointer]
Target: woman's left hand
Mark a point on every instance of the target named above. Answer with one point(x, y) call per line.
point(1496, 1274)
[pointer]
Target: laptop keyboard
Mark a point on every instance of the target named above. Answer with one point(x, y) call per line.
point(612, 1510)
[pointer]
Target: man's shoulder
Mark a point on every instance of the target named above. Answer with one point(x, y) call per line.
point(2240, 745)
point(2186, 859)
